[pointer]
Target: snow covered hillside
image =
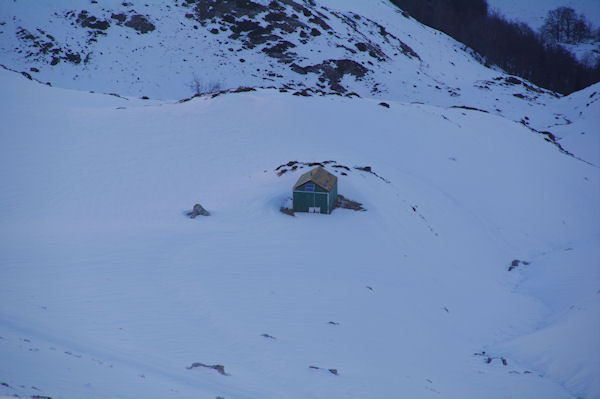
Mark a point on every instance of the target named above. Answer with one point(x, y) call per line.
point(109, 290)
point(578, 124)
point(170, 49)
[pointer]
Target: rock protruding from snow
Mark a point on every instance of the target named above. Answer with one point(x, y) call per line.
point(219, 367)
point(198, 210)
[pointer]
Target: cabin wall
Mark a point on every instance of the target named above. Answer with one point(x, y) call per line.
point(333, 197)
point(302, 200)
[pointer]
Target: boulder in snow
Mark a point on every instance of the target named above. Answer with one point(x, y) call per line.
point(198, 210)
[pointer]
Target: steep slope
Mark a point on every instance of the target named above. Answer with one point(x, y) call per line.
point(172, 49)
point(576, 121)
point(109, 290)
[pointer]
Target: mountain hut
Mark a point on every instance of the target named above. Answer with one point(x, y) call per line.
point(315, 192)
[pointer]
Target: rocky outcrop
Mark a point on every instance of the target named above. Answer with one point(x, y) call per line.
point(198, 210)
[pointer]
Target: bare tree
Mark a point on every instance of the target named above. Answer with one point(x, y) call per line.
point(199, 88)
point(563, 25)
point(512, 46)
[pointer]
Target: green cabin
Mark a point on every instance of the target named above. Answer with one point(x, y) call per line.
point(315, 192)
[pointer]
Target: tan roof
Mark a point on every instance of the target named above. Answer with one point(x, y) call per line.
point(320, 177)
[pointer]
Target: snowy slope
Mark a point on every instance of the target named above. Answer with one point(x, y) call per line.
point(368, 48)
point(576, 122)
point(108, 290)
point(345, 47)
point(170, 49)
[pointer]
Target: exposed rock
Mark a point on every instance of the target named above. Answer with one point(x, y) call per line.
point(332, 371)
point(488, 359)
point(515, 263)
point(370, 170)
point(219, 367)
point(469, 108)
point(140, 23)
point(343, 202)
point(45, 46)
point(268, 336)
point(119, 17)
point(280, 50)
point(89, 21)
point(333, 71)
point(198, 210)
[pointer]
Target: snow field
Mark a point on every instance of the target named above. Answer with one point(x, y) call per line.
point(98, 259)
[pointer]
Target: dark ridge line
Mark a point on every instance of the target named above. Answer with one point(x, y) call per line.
point(306, 92)
point(25, 74)
point(470, 108)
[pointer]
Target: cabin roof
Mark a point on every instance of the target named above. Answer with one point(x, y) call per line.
point(319, 176)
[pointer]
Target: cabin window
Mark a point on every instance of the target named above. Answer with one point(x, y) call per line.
point(309, 187)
